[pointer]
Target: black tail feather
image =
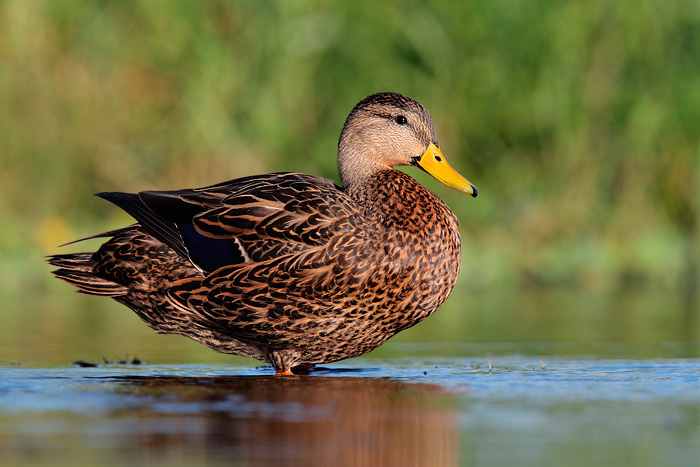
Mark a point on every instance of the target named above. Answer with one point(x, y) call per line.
point(156, 225)
point(109, 233)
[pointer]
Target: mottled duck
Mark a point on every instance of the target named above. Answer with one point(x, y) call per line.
point(288, 268)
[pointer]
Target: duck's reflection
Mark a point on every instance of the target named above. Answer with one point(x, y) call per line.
point(316, 420)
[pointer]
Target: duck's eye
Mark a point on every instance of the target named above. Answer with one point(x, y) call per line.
point(401, 120)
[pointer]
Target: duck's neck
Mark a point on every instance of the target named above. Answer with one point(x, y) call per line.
point(356, 169)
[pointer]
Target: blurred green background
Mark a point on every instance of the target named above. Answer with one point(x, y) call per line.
point(577, 120)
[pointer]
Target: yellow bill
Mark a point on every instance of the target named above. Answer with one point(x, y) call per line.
point(433, 162)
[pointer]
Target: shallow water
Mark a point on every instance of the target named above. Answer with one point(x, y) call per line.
point(574, 379)
point(432, 405)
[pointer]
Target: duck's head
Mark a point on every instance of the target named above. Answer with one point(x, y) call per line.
point(387, 130)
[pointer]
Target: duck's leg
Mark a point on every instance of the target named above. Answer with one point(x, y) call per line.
point(283, 362)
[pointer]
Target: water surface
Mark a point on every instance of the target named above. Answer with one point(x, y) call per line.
point(536, 378)
point(527, 408)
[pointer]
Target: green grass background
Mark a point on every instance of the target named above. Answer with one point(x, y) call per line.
point(577, 120)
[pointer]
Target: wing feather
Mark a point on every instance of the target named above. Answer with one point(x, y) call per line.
point(245, 220)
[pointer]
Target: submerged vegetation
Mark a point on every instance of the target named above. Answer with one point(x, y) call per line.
point(578, 121)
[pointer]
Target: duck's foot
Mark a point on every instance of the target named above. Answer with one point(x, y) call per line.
point(300, 370)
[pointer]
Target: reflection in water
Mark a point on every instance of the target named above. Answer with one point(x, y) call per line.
point(295, 420)
point(607, 411)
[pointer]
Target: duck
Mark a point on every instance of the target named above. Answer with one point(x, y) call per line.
point(287, 268)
